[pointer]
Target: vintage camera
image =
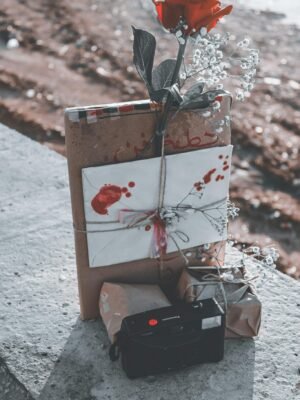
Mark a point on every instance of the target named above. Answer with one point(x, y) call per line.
point(172, 337)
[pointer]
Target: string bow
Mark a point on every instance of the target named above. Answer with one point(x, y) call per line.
point(163, 221)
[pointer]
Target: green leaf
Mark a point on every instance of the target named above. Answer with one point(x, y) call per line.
point(144, 46)
point(163, 74)
point(194, 98)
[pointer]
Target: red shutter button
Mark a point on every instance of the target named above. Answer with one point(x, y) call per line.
point(152, 322)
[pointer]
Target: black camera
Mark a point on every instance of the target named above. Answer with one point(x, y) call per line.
point(170, 338)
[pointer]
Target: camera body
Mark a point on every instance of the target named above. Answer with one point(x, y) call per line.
point(172, 337)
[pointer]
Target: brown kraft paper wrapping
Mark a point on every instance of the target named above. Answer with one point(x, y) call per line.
point(95, 138)
point(118, 301)
point(243, 315)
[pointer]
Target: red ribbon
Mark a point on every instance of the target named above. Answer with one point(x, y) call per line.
point(159, 243)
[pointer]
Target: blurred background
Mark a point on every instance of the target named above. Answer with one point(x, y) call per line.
point(58, 53)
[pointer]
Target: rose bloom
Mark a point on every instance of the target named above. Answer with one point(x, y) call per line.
point(196, 13)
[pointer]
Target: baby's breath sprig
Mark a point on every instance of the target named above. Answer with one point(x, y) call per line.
point(211, 64)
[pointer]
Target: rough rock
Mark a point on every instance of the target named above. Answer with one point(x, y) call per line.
point(47, 353)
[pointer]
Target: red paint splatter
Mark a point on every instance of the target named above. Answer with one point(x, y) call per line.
point(99, 112)
point(128, 194)
point(226, 167)
point(219, 178)
point(209, 135)
point(131, 184)
point(198, 186)
point(107, 196)
point(147, 227)
point(220, 156)
point(225, 163)
point(227, 157)
point(124, 190)
point(219, 98)
point(207, 177)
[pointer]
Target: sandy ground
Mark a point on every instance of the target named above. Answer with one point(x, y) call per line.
point(80, 53)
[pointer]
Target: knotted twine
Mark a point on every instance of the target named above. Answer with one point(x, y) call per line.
point(221, 279)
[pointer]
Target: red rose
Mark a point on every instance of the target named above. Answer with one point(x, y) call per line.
point(196, 13)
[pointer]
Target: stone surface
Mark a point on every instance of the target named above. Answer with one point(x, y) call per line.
point(47, 353)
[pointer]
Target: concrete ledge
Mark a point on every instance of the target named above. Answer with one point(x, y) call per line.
point(46, 352)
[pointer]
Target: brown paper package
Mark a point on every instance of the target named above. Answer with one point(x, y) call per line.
point(118, 301)
point(243, 314)
point(120, 138)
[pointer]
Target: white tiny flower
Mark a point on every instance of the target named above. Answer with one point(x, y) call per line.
point(240, 95)
point(216, 105)
point(268, 260)
point(205, 64)
point(246, 78)
point(250, 87)
point(210, 49)
point(203, 31)
point(246, 42)
point(197, 53)
point(255, 250)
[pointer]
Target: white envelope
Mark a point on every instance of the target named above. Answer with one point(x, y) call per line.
point(197, 186)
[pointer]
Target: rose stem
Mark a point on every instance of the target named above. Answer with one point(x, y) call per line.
point(162, 124)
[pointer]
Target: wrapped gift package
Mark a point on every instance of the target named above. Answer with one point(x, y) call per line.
point(118, 301)
point(113, 169)
point(231, 288)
